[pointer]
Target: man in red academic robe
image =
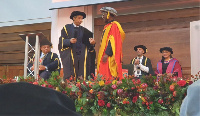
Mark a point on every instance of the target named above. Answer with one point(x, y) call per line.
point(110, 52)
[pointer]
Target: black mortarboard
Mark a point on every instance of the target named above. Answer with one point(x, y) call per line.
point(167, 49)
point(141, 46)
point(27, 99)
point(75, 13)
point(45, 42)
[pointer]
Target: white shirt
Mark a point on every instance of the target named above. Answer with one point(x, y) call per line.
point(42, 55)
point(137, 72)
point(75, 25)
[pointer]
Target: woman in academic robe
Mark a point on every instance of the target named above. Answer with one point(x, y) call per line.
point(168, 64)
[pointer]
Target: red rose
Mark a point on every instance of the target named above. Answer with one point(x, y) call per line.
point(171, 87)
point(124, 102)
point(132, 88)
point(174, 93)
point(43, 85)
point(181, 83)
point(35, 83)
point(133, 80)
point(101, 102)
point(108, 105)
point(50, 86)
point(190, 82)
point(134, 99)
point(127, 102)
point(138, 81)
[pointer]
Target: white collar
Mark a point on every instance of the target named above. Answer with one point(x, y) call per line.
point(139, 57)
point(75, 25)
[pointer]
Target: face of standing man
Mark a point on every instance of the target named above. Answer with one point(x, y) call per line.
point(104, 16)
point(78, 20)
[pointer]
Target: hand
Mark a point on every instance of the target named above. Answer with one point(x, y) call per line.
point(42, 67)
point(32, 68)
point(158, 75)
point(73, 40)
point(169, 74)
point(105, 57)
point(92, 41)
point(137, 61)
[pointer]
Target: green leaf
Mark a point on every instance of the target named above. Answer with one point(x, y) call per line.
point(115, 92)
point(74, 88)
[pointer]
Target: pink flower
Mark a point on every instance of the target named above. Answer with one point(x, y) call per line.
point(119, 82)
point(119, 91)
point(160, 101)
point(114, 86)
point(108, 105)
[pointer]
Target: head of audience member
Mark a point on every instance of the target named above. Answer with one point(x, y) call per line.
point(166, 53)
point(77, 17)
point(26, 99)
point(45, 46)
point(141, 50)
point(108, 14)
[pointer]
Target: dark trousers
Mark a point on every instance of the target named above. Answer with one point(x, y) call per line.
point(45, 75)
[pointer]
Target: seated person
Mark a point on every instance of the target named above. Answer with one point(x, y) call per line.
point(142, 64)
point(25, 99)
point(168, 64)
point(48, 61)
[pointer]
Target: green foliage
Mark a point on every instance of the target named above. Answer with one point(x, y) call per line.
point(148, 96)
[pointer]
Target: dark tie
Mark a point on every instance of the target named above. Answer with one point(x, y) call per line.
point(138, 67)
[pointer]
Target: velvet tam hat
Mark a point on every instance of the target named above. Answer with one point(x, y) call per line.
point(167, 49)
point(141, 46)
point(109, 9)
point(76, 13)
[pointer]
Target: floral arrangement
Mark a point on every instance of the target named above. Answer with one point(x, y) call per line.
point(130, 96)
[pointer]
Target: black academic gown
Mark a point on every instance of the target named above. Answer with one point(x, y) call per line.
point(146, 62)
point(51, 61)
point(68, 53)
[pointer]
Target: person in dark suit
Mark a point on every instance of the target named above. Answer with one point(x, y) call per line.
point(142, 64)
point(25, 99)
point(76, 47)
point(48, 61)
